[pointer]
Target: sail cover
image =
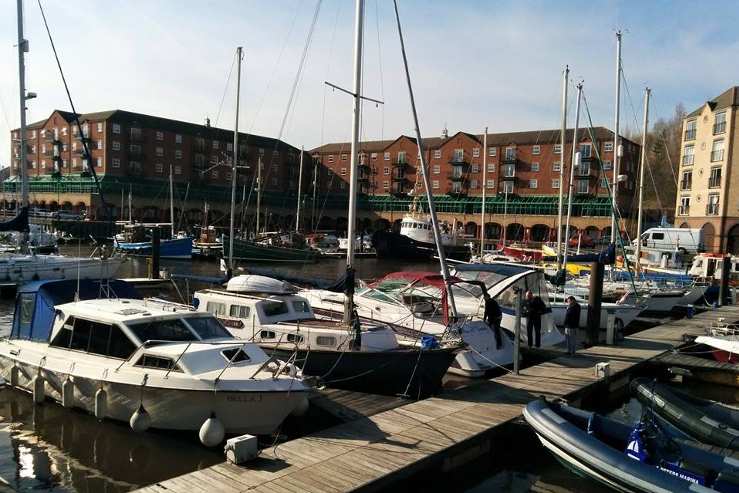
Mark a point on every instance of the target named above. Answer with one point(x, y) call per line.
point(18, 223)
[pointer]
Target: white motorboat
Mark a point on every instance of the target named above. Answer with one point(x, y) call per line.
point(623, 313)
point(416, 302)
point(143, 362)
point(18, 268)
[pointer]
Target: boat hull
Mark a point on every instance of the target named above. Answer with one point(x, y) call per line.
point(178, 248)
point(403, 371)
point(254, 252)
point(257, 413)
point(26, 268)
point(388, 244)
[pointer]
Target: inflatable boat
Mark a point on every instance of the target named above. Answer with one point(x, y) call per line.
point(629, 458)
point(703, 420)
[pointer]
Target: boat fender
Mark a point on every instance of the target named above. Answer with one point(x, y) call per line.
point(140, 420)
point(15, 373)
point(301, 408)
point(39, 389)
point(101, 404)
point(290, 369)
point(212, 431)
point(68, 393)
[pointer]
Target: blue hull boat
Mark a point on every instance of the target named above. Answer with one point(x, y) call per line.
point(177, 248)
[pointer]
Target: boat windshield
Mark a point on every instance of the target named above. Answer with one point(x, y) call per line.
point(176, 330)
point(208, 328)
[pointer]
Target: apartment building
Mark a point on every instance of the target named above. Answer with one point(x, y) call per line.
point(708, 188)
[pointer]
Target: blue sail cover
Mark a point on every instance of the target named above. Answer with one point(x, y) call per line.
point(35, 303)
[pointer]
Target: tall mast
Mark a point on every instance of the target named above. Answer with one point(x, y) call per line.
point(122, 201)
point(22, 49)
point(234, 163)
point(642, 164)
point(300, 190)
point(259, 192)
point(616, 146)
point(484, 188)
point(130, 211)
point(562, 160)
point(575, 162)
point(424, 175)
point(315, 185)
point(171, 202)
point(352, 216)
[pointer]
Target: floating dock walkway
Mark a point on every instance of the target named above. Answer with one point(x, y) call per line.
point(440, 433)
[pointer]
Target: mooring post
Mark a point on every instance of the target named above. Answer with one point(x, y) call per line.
point(723, 290)
point(155, 243)
point(517, 331)
point(594, 301)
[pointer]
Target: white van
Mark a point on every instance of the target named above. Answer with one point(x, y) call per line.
point(685, 240)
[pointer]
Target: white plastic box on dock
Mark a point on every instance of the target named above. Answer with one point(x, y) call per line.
point(602, 370)
point(241, 449)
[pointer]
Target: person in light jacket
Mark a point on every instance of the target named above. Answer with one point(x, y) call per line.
point(572, 323)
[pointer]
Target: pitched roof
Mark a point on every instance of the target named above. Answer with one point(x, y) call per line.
point(729, 97)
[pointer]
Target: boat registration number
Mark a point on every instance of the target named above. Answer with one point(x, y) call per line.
point(244, 398)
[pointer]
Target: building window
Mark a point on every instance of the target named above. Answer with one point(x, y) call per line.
point(534, 167)
point(536, 150)
point(159, 151)
point(401, 157)
point(712, 205)
point(33, 164)
point(490, 184)
point(116, 128)
point(99, 144)
point(583, 169)
point(533, 183)
point(584, 151)
point(510, 153)
point(604, 183)
point(717, 150)
point(475, 168)
point(556, 165)
point(434, 184)
point(178, 138)
point(216, 144)
point(229, 146)
point(686, 181)
point(436, 169)
point(214, 173)
point(491, 168)
point(607, 165)
point(343, 171)
point(386, 185)
point(558, 148)
point(476, 152)
point(385, 170)
point(330, 158)
point(178, 170)
point(690, 129)
point(373, 156)
point(714, 180)
point(116, 145)
point(159, 135)
point(99, 162)
point(344, 157)
point(178, 154)
point(342, 184)
point(159, 168)
point(458, 156)
point(507, 187)
point(492, 151)
point(608, 147)
point(555, 183)
point(719, 123)
point(116, 163)
point(386, 156)
point(473, 184)
point(582, 186)
point(684, 209)
point(688, 154)
point(74, 162)
point(43, 164)
point(509, 170)
point(100, 127)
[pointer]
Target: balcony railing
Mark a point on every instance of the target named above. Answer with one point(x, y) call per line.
point(454, 176)
point(400, 163)
point(712, 209)
point(717, 156)
point(689, 135)
point(683, 210)
point(458, 160)
point(510, 158)
point(688, 159)
point(719, 128)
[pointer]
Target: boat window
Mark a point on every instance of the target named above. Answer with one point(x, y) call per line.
point(162, 330)
point(240, 311)
point(301, 306)
point(120, 345)
point(209, 328)
point(99, 337)
point(326, 341)
point(156, 362)
point(272, 308)
point(62, 338)
point(267, 334)
point(294, 338)
point(658, 236)
point(216, 308)
point(27, 302)
point(80, 335)
point(235, 355)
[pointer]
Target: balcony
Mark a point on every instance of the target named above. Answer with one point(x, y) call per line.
point(136, 135)
point(719, 128)
point(689, 135)
point(510, 158)
point(456, 176)
point(399, 163)
point(508, 172)
point(398, 177)
point(712, 209)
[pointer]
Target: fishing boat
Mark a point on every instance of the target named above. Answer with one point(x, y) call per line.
point(270, 249)
point(364, 356)
point(416, 304)
point(96, 346)
point(639, 458)
point(416, 241)
point(136, 241)
point(207, 244)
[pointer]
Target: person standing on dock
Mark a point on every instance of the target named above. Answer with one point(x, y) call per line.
point(493, 316)
point(533, 309)
point(572, 323)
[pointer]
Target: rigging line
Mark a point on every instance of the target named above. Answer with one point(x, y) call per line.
point(667, 151)
point(382, 82)
point(90, 167)
point(225, 89)
point(328, 70)
point(5, 113)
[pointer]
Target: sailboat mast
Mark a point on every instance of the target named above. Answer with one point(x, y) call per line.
point(171, 202)
point(424, 175)
point(130, 211)
point(259, 193)
point(234, 162)
point(484, 188)
point(616, 146)
point(315, 187)
point(562, 160)
point(300, 190)
point(574, 163)
point(642, 164)
point(352, 215)
point(22, 49)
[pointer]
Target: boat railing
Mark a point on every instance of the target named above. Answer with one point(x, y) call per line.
point(156, 342)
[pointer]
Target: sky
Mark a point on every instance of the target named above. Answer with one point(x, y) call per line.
point(474, 64)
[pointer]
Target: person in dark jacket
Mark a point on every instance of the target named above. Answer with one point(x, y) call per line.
point(533, 309)
point(493, 317)
point(572, 323)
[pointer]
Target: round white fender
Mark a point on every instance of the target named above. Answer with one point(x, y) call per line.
point(39, 389)
point(68, 393)
point(101, 404)
point(212, 431)
point(301, 408)
point(140, 420)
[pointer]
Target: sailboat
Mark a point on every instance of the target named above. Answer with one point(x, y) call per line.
point(20, 268)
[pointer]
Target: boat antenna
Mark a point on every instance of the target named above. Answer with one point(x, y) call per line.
point(419, 141)
point(234, 163)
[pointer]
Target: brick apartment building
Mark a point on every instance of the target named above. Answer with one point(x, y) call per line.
point(708, 190)
point(136, 151)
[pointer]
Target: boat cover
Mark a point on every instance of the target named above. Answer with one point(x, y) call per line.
point(253, 283)
point(35, 302)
